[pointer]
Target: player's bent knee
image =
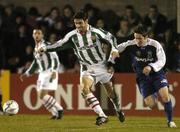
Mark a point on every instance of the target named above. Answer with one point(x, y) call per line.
point(165, 99)
point(150, 102)
point(151, 105)
point(41, 96)
point(109, 88)
point(85, 91)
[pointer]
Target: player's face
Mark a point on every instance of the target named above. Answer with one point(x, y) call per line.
point(140, 39)
point(81, 25)
point(37, 35)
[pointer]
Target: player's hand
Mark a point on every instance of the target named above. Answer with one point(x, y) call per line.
point(110, 68)
point(147, 70)
point(114, 54)
point(22, 76)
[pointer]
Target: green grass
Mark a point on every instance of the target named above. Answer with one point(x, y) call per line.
point(42, 123)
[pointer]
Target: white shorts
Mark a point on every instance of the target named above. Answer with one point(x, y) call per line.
point(98, 73)
point(44, 81)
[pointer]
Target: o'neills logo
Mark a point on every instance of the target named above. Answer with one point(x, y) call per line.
point(70, 96)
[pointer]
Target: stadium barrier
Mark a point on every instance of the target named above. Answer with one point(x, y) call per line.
point(69, 95)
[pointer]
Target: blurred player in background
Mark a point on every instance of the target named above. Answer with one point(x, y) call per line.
point(148, 60)
point(86, 42)
point(47, 65)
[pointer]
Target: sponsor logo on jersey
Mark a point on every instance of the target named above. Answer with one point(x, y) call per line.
point(138, 53)
point(87, 47)
point(144, 59)
point(149, 54)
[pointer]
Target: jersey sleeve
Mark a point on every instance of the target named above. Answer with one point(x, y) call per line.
point(161, 58)
point(113, 42)
point(107, 37)
point(55, 62)
point(61, 44)
point(32, 68)
point(121, 47)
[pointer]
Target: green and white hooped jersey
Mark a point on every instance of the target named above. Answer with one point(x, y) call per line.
point(87, 46)
point(44, 61)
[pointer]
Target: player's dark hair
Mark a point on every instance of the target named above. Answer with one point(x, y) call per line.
point(154, 7)
point(130, 7)
point(81, 15)
point(141, 29)
point(39, 28)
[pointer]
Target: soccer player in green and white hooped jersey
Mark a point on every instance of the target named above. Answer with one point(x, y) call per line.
point(87, 44)
point(47, 65)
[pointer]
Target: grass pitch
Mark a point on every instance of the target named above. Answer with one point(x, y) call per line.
point(42, 123)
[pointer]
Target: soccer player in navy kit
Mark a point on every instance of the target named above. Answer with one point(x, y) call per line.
point(148, 59)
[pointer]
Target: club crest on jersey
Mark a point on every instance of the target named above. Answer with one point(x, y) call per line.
point(93, 37)
point(149, 54)
point(86, 47)
point(138, 53)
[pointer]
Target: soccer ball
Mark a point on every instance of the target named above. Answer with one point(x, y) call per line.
point(11, 107)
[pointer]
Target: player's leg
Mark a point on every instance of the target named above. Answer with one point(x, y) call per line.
point(115, 100)
point(147, 91)
point(151, 100)
point(47, 102)
point(164, 94)
point(44, 84)
point(105, 79)
point(51, 104)
point(92, 101)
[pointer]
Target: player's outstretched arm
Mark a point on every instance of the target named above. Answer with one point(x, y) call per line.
point(161, 58)
point(29, 71)
point(59, 45)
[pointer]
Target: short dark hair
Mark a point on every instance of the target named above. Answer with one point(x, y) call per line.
point(130, 7)
point(141, 29)
point(81, 15)
point(154, 7)
point(39, 28)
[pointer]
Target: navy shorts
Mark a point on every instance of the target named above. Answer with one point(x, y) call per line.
point(151, 84)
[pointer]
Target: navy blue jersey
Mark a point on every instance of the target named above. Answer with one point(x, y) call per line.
point(151, 54)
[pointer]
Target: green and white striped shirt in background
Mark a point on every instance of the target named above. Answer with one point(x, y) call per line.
point(87, 46)
point(44, 61)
